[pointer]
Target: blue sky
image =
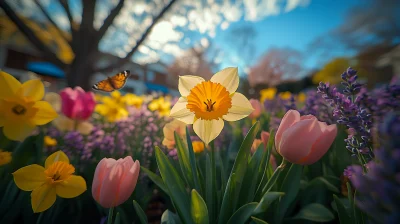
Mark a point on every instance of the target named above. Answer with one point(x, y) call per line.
point(295, 29)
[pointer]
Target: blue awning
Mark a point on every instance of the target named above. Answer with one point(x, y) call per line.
point(46, 68)
point(157, 88)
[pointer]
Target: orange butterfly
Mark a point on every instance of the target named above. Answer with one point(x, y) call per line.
point(112, 83)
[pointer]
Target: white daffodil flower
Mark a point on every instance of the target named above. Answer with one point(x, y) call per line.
point(205, 104)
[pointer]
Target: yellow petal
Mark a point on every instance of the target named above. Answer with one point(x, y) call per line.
point(72, 187)
point(43, 197)
point(8, 85)
point(84, 127)
point(29, 177)
point(180, 112)
point(241, 108)
point(18, 131)
point(187, 82)
point(64, 123)
point(33, 89)
point(208, 130)
point(57, 156)
point(227, 77)
point(45, 113)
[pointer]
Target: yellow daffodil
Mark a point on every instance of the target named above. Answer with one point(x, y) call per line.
point(174, 126)
point(21, 107)
point(267, 94)
point(49, 141)
point(206, 104)
point(161, 105)
point(301, 97)
point(5, 157)
point(131, 99)
point(285, 95)
point(111, 111)
point(46, 182)
point(198, 146)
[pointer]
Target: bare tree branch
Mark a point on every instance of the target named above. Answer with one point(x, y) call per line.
point(140, 41)
point(62, 34)
point(65, 5)
point(109, 20)
point(30, 35)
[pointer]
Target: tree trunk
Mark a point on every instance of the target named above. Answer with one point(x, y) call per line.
point(79, 74)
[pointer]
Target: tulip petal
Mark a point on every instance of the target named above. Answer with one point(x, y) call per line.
point(307, 117)
point(55, 157)
point(208, 130)
point(264, 138)
point(321, 146)
point(291, 117)
point(72, 187)
point(187, 82)
point(100, 173)
point(129, 180)
point(180, 112)
point(43, 197)
point(227, 77)
point(8, 85)
point(32, 89)
point(241, 108)
point(64, 123)
point(45, 113)
point(29, 177)
point(18, 131)
point(298, 140)
point(54, 99)
point(110, 185)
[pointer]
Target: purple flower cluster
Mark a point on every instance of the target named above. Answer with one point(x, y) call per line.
point(350, 114)
point(378, 190)
point(317, 106)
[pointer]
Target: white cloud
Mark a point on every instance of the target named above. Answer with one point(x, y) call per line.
point(204, 42)
point(173, 49)
point(292, 4)
point(177, 20)
point(224, 25)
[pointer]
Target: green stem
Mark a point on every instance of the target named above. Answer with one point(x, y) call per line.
point(39, 220)
point(110, 215)
point(271, 182)
point(213, 179)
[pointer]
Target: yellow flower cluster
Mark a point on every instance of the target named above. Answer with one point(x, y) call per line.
point(267, 94)
point(162, 105)
point(5, 157)
point(114, 107)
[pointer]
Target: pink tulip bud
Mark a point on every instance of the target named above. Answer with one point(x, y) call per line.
point(114, 181)
point(76, 103)
point(303, 140)
point(257, 108)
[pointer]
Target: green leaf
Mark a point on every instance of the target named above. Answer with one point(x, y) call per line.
point(264, 166)
point(266, 201)
point(169, 217)
point(25, 152)
point(227, 206)
point(155, 178)
point(199, 209)
point(175, 185)
point(192, 160)
point(258, 221)
point(140, 212)
point(250, 179)
point(328, 185)
point(243, 213)
point(117, 219)
point(315, 212)
point(209, 190)
point(184, 163)
point(290, 186)
point(344, 216)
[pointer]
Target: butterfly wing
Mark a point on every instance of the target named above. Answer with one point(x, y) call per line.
point(104, 85)
point(118, 81)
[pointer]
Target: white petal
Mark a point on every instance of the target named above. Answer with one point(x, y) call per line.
point(241, 108)
point(208, 130)
point(187, 82)
point(227, 77)
point(180, 112)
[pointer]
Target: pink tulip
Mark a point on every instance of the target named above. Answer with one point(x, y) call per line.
point(257, 108)
point(76, 103)
point(264, 138)
point(303, 140)
point(114, 181)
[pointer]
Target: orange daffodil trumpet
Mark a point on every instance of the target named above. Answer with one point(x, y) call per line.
point(205, 104)
point(55, 178)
